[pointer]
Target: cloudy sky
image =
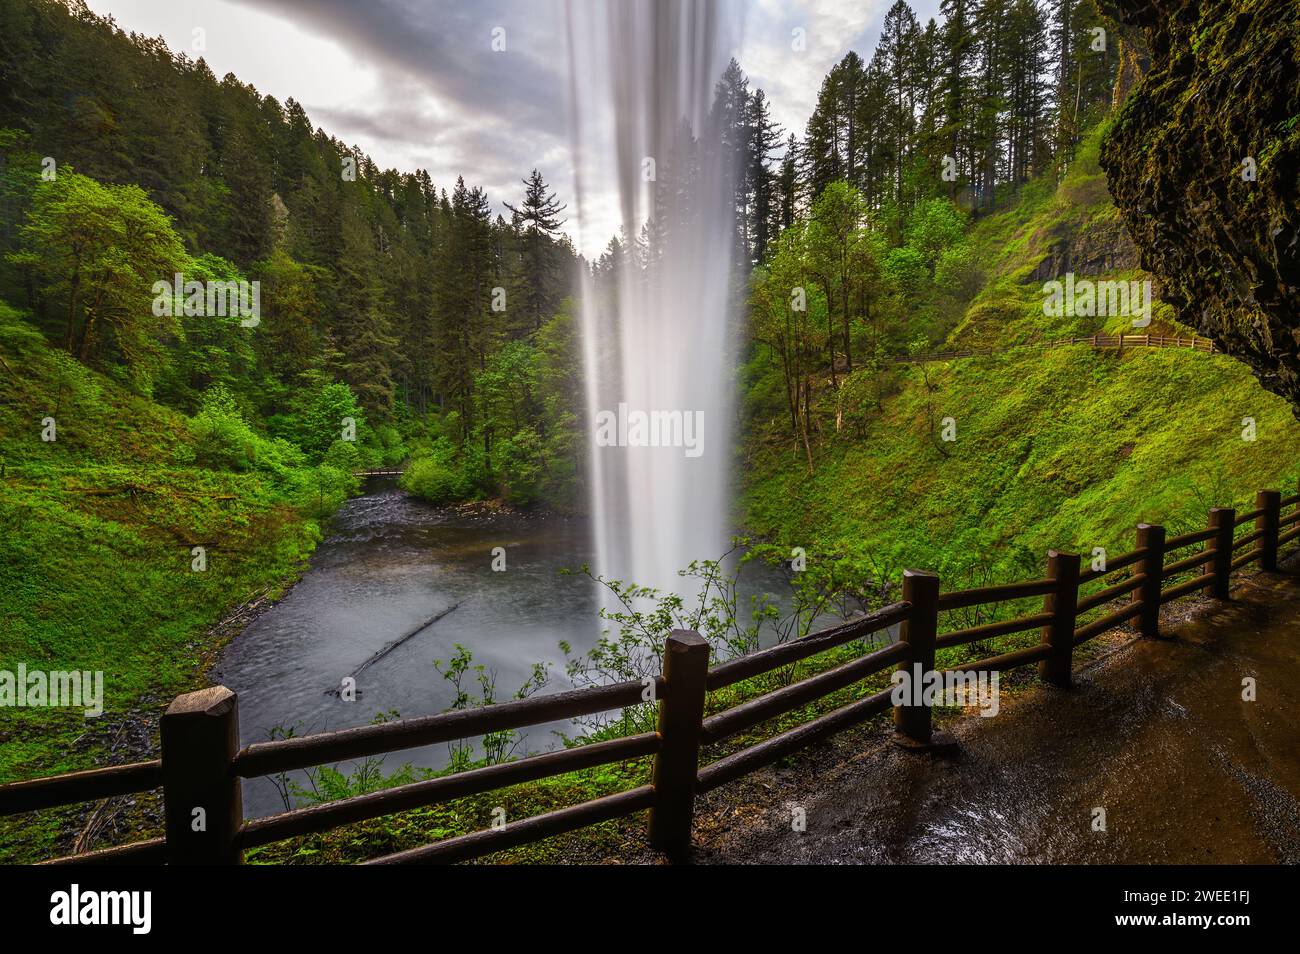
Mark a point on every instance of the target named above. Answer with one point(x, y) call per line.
point(417, 84)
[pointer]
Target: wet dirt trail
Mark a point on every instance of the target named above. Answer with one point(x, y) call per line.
point(1156, 733)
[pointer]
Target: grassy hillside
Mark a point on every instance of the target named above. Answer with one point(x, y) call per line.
point(96, 531)
point(1065, 448)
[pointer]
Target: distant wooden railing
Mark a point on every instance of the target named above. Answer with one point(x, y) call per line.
point(1097, 342)
point(202, 765)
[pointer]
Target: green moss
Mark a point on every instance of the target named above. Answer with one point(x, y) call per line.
point(96, 530)
point(1065, 448)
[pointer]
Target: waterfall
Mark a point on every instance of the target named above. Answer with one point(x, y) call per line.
point(657, 332)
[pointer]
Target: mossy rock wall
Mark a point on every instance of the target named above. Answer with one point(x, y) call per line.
point(1223, 86)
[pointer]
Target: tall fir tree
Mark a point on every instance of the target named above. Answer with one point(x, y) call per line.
point(538, 220)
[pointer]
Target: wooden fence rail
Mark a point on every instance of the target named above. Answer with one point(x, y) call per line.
point(1096, 342)
point(202, 765)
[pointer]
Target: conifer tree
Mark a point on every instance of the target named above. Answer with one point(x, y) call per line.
point(958, 42)
point(764, 202)
point(538, 219)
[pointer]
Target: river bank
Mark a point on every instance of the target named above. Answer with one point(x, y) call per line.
point(387, 558)
point(120, 738)
point(177, 638)
point(143, 617)
point(385, 562)
point(392, 592)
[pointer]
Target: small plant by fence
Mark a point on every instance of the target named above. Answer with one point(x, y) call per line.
point(202, 766)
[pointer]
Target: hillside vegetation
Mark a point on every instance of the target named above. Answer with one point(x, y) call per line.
point(97, 566)
point(165, 469)
point(1066, 448)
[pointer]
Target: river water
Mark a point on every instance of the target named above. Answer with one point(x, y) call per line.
point(390, 563)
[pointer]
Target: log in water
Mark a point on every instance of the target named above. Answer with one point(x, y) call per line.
point(390, 564)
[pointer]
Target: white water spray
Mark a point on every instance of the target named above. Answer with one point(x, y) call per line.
point(658, 348)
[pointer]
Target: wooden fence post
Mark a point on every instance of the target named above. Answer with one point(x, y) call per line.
point(1152, 538)
point(1063, 604)
point(1223, 520)
point(1270, 501)
point(681, 715)
point(912, 720)
point(202, 803)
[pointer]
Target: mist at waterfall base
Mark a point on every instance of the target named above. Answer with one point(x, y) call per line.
point(658, 327)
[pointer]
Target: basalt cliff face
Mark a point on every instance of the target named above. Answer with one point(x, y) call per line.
point(1203, 161)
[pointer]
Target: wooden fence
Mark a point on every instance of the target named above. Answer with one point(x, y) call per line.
point(1097, 342)
point(202, 764)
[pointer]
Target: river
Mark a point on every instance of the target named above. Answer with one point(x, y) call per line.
point(391, 562)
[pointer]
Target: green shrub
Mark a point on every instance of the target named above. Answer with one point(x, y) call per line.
point(328, 488)
point(522, 468)
point(436, 476)
point(958, 273)
point(905, 270)
point(936, 225)
point(344, 456)
point(390, 446)
point(319, 421)
point(221, 437)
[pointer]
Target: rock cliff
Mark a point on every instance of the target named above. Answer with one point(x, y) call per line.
point(1203, 161)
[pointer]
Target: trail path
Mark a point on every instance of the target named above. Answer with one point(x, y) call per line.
point(1156, 733)
point(1096, 342)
